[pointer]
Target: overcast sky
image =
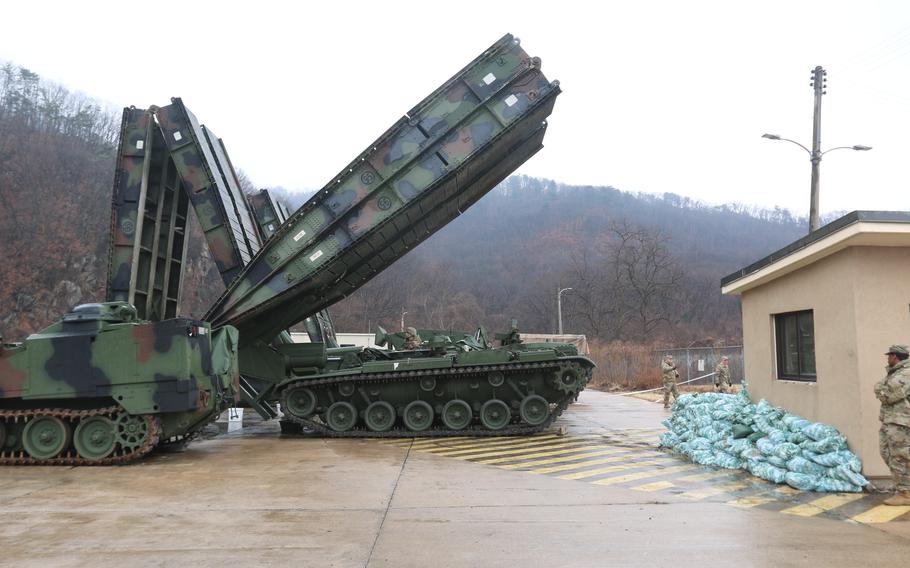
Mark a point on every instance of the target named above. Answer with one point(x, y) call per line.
point(658, 96)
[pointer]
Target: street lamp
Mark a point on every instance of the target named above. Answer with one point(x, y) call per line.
point(816, 158)
point(559, 307)
point(402, 320)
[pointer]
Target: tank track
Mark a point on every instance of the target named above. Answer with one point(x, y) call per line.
point(311, 427)
point(69, 457)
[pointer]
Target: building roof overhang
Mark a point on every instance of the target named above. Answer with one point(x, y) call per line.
point(859, 228)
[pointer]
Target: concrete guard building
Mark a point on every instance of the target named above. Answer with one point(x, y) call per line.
point(818, 316)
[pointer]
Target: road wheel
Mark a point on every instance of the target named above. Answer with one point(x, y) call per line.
point(379, 416)
point(534, 409)
point(418, 416)
point(341, 416)
point(495, 414)
point(95, 438)
point(44, 437)
point(457, 414)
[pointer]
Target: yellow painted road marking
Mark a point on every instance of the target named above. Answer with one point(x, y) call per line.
point(572, 457)
point(482, 443)
point(536, 454)
point(715, 490)
point(881, 514)
point(589, 463)
point(656, 486)
point(708, 475)
point(752, 501)
point(431, 441)
point(610, 469)
point(513, 451)
point(624, 457)
point(503, 444)
point(823, 504)
point(643, 475)
point(486, 451)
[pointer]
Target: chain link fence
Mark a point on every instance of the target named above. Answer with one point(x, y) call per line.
point(694, 362)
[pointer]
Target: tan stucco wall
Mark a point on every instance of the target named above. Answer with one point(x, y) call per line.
point(861, 302)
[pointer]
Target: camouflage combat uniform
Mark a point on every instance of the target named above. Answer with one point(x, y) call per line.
point(669, 375)
point(894, 436)
point(722, 377)
point(411, 339)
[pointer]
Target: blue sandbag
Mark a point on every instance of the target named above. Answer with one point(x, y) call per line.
point(844, 473)
point(836, 485)
point(801, 481)
point(819, 431)
point(800, 464)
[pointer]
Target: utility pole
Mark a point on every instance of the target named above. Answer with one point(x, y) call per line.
point(559, 307)
point(819, 84)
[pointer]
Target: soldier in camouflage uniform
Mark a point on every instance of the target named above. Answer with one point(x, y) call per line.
point(722, 376)
point(669, 375)
point(894, 436)
point(411, 339)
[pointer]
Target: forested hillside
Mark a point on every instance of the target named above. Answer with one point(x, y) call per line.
point(57, 151)
point(642, 268)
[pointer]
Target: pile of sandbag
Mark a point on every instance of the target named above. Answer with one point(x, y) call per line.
point(729, 431)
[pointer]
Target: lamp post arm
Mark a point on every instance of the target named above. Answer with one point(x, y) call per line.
point(808, 151)
point(837, 148)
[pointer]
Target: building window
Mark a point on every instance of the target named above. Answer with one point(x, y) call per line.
point(795, 336)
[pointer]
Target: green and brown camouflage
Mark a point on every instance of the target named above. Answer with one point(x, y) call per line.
point(269, 213)
point(102, 386)
point(149, 210)
point(222, 212)
point(423, 172)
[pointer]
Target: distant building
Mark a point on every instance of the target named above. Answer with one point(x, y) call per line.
point(355, 339)
point(818, 316)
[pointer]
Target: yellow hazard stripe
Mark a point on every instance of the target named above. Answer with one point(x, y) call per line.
point(751, 501)
point(490, 451)
point(518, 452)
point(715, 490)
point(610, 469)
point(643, 475)
point(826, 503)
point(655, 486)
point(881, 514)
point(597, 451)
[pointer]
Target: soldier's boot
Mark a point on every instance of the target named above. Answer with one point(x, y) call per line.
point(899, 498)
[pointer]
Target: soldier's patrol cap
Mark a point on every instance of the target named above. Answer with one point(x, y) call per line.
point(898, 350)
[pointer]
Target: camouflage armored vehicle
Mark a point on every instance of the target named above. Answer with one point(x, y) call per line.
point(103, 387)
point(431, 165)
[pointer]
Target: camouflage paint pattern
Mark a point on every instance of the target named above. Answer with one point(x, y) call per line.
point(129, 193)
point(101, 354)
point(208, 191)
point(148, 222)
point(268, 212)
point(445, 154)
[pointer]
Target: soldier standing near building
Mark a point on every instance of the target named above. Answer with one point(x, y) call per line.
point(722, 376)
point(411, 339)
point(669, 375)
point(894, 435)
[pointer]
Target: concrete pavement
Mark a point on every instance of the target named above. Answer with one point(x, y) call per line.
point(255, 499)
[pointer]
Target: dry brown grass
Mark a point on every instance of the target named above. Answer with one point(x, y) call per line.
point(623, 366)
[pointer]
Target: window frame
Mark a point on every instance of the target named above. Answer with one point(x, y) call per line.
point(780, 347)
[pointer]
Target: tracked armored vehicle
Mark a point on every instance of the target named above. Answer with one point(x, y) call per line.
point(103, 387)
point(445, 388)
point(431, 165)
